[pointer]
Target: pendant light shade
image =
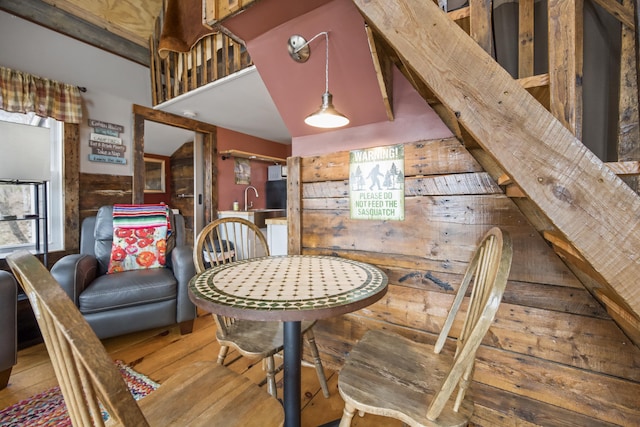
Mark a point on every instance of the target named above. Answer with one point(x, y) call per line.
point(327, 116)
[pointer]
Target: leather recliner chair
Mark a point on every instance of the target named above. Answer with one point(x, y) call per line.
point(8, 326)
point(129, 301)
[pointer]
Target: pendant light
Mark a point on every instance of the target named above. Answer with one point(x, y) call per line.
point(327, 116)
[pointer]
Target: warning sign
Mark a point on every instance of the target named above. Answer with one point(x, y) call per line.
point(376, 183)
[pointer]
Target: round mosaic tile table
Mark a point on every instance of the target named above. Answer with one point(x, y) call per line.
point(288, 288)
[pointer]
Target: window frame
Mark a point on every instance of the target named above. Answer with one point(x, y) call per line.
point(54, 187)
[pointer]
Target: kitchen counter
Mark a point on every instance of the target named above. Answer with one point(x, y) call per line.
point(257, 216)
point(279, 220)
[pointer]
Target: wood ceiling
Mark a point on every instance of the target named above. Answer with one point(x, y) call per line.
point(121, 27)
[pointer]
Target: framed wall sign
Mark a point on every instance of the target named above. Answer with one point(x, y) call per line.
point(154, 175)
point(376, 183)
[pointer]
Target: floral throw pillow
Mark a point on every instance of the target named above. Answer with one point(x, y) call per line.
point(139, 237)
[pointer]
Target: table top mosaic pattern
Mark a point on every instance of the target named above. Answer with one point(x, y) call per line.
point(289, 283)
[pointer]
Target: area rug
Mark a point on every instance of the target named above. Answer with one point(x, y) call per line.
point(48, 408)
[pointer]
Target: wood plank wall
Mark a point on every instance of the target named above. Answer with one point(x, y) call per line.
point(553, 356)
point(98, 190)
point(182, 184)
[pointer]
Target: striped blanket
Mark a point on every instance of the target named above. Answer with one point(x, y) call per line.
point(140, 234)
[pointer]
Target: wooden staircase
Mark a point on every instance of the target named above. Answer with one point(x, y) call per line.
point(477, 117)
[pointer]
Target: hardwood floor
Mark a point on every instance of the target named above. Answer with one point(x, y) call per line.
point(158, 353)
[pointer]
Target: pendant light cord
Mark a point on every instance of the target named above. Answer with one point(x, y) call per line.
point(326, 69)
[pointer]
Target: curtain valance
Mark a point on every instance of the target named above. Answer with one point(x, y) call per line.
point(22, 93)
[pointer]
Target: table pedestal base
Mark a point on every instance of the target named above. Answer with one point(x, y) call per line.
point(292, 359)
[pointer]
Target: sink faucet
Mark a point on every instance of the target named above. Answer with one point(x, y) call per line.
point(246, 205)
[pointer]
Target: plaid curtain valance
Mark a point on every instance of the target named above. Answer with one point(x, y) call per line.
point(23, 93)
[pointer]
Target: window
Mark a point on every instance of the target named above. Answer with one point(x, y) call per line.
point(19, 201)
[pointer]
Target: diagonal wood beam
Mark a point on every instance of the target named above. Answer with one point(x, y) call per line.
point(384, 73)
point(597, 212)
point(622, 13)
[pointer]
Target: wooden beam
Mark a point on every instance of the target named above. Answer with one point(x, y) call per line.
point(597, 212)
point(525, 38)
point(252, 156)
point(538, 86)
point(628, 131)
point(71, 187)
point(565, 62)
point(629, 323)
point(504, 179)
point(458, 14)
point(294, 205)
point(534, 81)
point(173, 119)
point(629, 168)
point(65, 23)
point(636, 30)
point(209, 153)
point(384, 73)
point(137, 158)
point(480, 12)
point(622, 13)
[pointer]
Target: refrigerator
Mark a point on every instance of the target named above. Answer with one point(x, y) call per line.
point(276, 194)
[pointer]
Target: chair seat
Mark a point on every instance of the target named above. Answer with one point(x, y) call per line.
point(256, 339)
point(404, 376)
point(207, 394)
point(128, 288)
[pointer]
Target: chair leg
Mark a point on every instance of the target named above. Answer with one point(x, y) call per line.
point(311, 339)
point(271, 377)
point(186, 327)
point(347, 415)
point(4, 377)
point(222, 354)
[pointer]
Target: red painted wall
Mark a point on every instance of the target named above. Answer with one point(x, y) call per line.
point(228, 190)
point(296, 88)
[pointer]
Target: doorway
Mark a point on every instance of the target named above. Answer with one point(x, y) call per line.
point(204, 149)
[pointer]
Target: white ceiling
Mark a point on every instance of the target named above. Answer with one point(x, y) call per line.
point(240, 102)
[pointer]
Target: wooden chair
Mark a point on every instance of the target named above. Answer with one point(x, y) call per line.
point(389, 375)
point(228, 239)
point(198, 395)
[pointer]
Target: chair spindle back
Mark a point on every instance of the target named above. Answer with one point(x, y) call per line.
point(86, 373)
point(488, 271)
point(223, 241)
point(228, 239)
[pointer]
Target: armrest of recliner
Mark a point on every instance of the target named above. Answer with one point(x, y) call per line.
point(183, 269)
point(8, 322)
point(74, 273)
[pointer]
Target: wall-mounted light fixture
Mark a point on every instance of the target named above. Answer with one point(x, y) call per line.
point(327, 116)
